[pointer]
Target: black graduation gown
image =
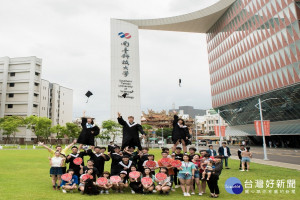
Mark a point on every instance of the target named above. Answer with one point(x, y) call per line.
point(86, 136)
point(122, 165)
point(131, 134)
point(115, 168)
point(133, 157)
point(141, 161)
point(99, 160)
point(178, 133)
point(76, 168)
point(111, 148)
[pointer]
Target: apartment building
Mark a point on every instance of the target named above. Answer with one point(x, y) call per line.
point(24, 93)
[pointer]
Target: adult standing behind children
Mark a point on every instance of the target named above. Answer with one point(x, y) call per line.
point(131, 132)
point(213, 181)
point(224, 151)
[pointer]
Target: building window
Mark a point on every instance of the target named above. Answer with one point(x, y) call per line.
point(11, 84)
point(36, 73)
point(35, 94)
point(10, 95)
point(10, 105)
point(35, 105)
point(36, 84)
point(12, 74)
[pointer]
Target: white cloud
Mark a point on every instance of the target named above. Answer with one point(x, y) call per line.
point(72, 37)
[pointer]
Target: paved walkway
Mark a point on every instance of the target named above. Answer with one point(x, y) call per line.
point(272, 163)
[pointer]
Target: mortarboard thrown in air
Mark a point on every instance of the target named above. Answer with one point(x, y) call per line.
point(124, 95)
point(88, 94)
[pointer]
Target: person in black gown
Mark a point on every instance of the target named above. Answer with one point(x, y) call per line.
point(131, 132)
point(99, 158)
point(180, 133)
point(72, 156)
point(88, 132)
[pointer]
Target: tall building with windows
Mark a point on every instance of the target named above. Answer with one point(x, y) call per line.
point(24, 93)
point(253, 51)
point(20, 80)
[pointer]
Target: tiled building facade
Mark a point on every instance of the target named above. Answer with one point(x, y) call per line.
point(254, 52)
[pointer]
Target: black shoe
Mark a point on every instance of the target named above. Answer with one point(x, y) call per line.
point(160, 192)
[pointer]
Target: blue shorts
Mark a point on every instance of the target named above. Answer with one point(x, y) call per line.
point(197, 174)
point(245, 159)
point(184, 176)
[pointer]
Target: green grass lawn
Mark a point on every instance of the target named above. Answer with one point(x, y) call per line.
point(24, 174)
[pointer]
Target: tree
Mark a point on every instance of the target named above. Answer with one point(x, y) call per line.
point(59, 130)
point(167, 132)
point(9, 125)
point(71, 130)
point(104, 135)
point(111, 128)
point(39, 125)
point(147, 128)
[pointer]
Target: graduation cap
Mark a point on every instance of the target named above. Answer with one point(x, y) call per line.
point(124, 95)
point(88, 94)
point(180, 82)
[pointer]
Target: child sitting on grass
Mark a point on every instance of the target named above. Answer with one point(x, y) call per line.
point(120, 186)
point(69, 185)
point(164, 186)
point(83, 182)
point(107, 186)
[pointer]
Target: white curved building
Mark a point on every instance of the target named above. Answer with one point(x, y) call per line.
point(253, 52)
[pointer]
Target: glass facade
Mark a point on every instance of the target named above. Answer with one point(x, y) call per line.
point(254, 52)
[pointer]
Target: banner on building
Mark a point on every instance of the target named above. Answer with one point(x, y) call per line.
point(266, 124)
point(223, 128)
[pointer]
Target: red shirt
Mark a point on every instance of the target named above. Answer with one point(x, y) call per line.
point(170, 171)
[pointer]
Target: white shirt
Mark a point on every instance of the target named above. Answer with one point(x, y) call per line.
point(56, 161)
point(225, 151)
point(167, 180)
point(212, 152)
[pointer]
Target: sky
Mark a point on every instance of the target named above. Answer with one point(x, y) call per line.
point(72, 37)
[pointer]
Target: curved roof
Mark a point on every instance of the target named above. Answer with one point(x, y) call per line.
point(198, 22)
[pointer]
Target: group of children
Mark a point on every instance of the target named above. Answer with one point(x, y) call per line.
point(132, 169)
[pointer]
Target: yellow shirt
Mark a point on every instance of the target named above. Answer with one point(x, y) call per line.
point(64, 151)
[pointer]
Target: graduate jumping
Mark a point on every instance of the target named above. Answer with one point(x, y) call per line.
point(131, 132)
point(180, 133)
point(88, 133)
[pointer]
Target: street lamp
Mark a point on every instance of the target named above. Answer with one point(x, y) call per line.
point(162, 134)
point(262, 126)
point(197, 146)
